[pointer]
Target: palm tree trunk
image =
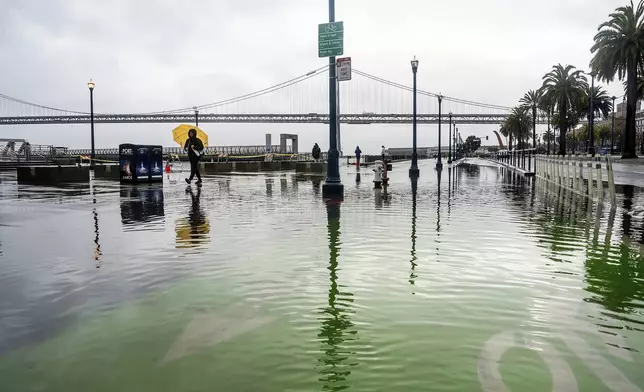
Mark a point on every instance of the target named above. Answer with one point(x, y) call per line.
point(562, 127)
point(549, 136)
point(628, 139)
point(534, 126)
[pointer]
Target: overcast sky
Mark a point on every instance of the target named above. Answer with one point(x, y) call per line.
point(158, 55)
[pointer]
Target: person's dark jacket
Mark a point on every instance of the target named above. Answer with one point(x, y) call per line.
point(358, 152)
point(316, 152)
point(193, 141)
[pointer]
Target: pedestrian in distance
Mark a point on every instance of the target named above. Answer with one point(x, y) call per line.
point(358, 153)
point(316, 152)
point(194, 148)
point(383, 151)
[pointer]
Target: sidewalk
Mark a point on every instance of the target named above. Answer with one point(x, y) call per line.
point(628, 171)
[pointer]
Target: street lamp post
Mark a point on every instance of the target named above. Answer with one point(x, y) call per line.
point(439, 161)
point(612, 127)
point(413, 170)
point(91, 86)
point(449, 140)
point(591, 117)
point(456, 154)
point(196, 116)
point(332, 187)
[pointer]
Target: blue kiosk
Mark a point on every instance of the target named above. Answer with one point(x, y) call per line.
point(140, 163)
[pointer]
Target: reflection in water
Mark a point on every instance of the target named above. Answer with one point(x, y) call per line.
point(269, 187)
point(449, 191)
point(142, 206)
point(224, 185)
point(97, 249)
point(438, 208)
point(628, 191)
point(316, 185)
point(194, 230)
point(337, 329)
point(614, 272)
point(414, 193)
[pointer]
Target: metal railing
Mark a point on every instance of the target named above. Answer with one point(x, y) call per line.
point(518, 159)
point(568, 172)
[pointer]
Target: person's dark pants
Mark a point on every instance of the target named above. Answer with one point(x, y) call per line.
point(383, 157)
point(357, 160)
point(194, 169)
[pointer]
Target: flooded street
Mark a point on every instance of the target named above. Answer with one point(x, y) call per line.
point(472, 281)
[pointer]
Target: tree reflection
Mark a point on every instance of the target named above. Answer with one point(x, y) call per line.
point(337, 329)
point(614, 271)
point(414, 193)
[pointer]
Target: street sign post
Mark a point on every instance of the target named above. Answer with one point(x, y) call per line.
point(330, 39)
point(344, 69)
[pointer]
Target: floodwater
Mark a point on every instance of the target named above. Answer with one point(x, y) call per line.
point(477, 281)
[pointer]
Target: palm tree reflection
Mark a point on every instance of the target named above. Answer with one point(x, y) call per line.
point(336, 330)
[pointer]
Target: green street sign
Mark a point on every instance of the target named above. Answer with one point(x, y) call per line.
point(330, 39)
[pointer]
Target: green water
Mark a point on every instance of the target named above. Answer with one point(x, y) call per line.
point(476, 281)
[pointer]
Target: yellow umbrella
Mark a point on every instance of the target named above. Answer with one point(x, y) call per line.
point(180, 134)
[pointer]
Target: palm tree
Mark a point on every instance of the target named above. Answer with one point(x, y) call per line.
point(506, 132)
point(519, 124)
point(618, 50)
point(602, 106)
point(564, 87)
point(602, 102)
point(546, 106)
point(532, 99)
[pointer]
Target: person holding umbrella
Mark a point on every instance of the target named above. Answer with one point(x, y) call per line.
point(194, 148)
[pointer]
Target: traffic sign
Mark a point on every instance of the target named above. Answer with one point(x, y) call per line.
point(330, 39)
point(344, 69)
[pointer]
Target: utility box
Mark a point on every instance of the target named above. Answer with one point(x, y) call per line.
point(140, 163)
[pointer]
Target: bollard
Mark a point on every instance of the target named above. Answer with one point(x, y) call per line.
point(611, 181)
point(600, 182)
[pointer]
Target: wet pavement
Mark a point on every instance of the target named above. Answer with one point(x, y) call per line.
point(474, 280)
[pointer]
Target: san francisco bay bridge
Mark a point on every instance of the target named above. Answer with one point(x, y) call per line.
point(366, 99)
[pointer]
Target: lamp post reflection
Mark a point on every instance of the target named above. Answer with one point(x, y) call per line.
point(336, 330)
point(449, 191)
point(97, 246)
point(414, 193)
point(438, 212)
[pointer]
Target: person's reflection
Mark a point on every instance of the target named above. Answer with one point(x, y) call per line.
point(336, 330)
point(194, 230)
point(269, 187)
point(414, 193)
point(316, 185)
